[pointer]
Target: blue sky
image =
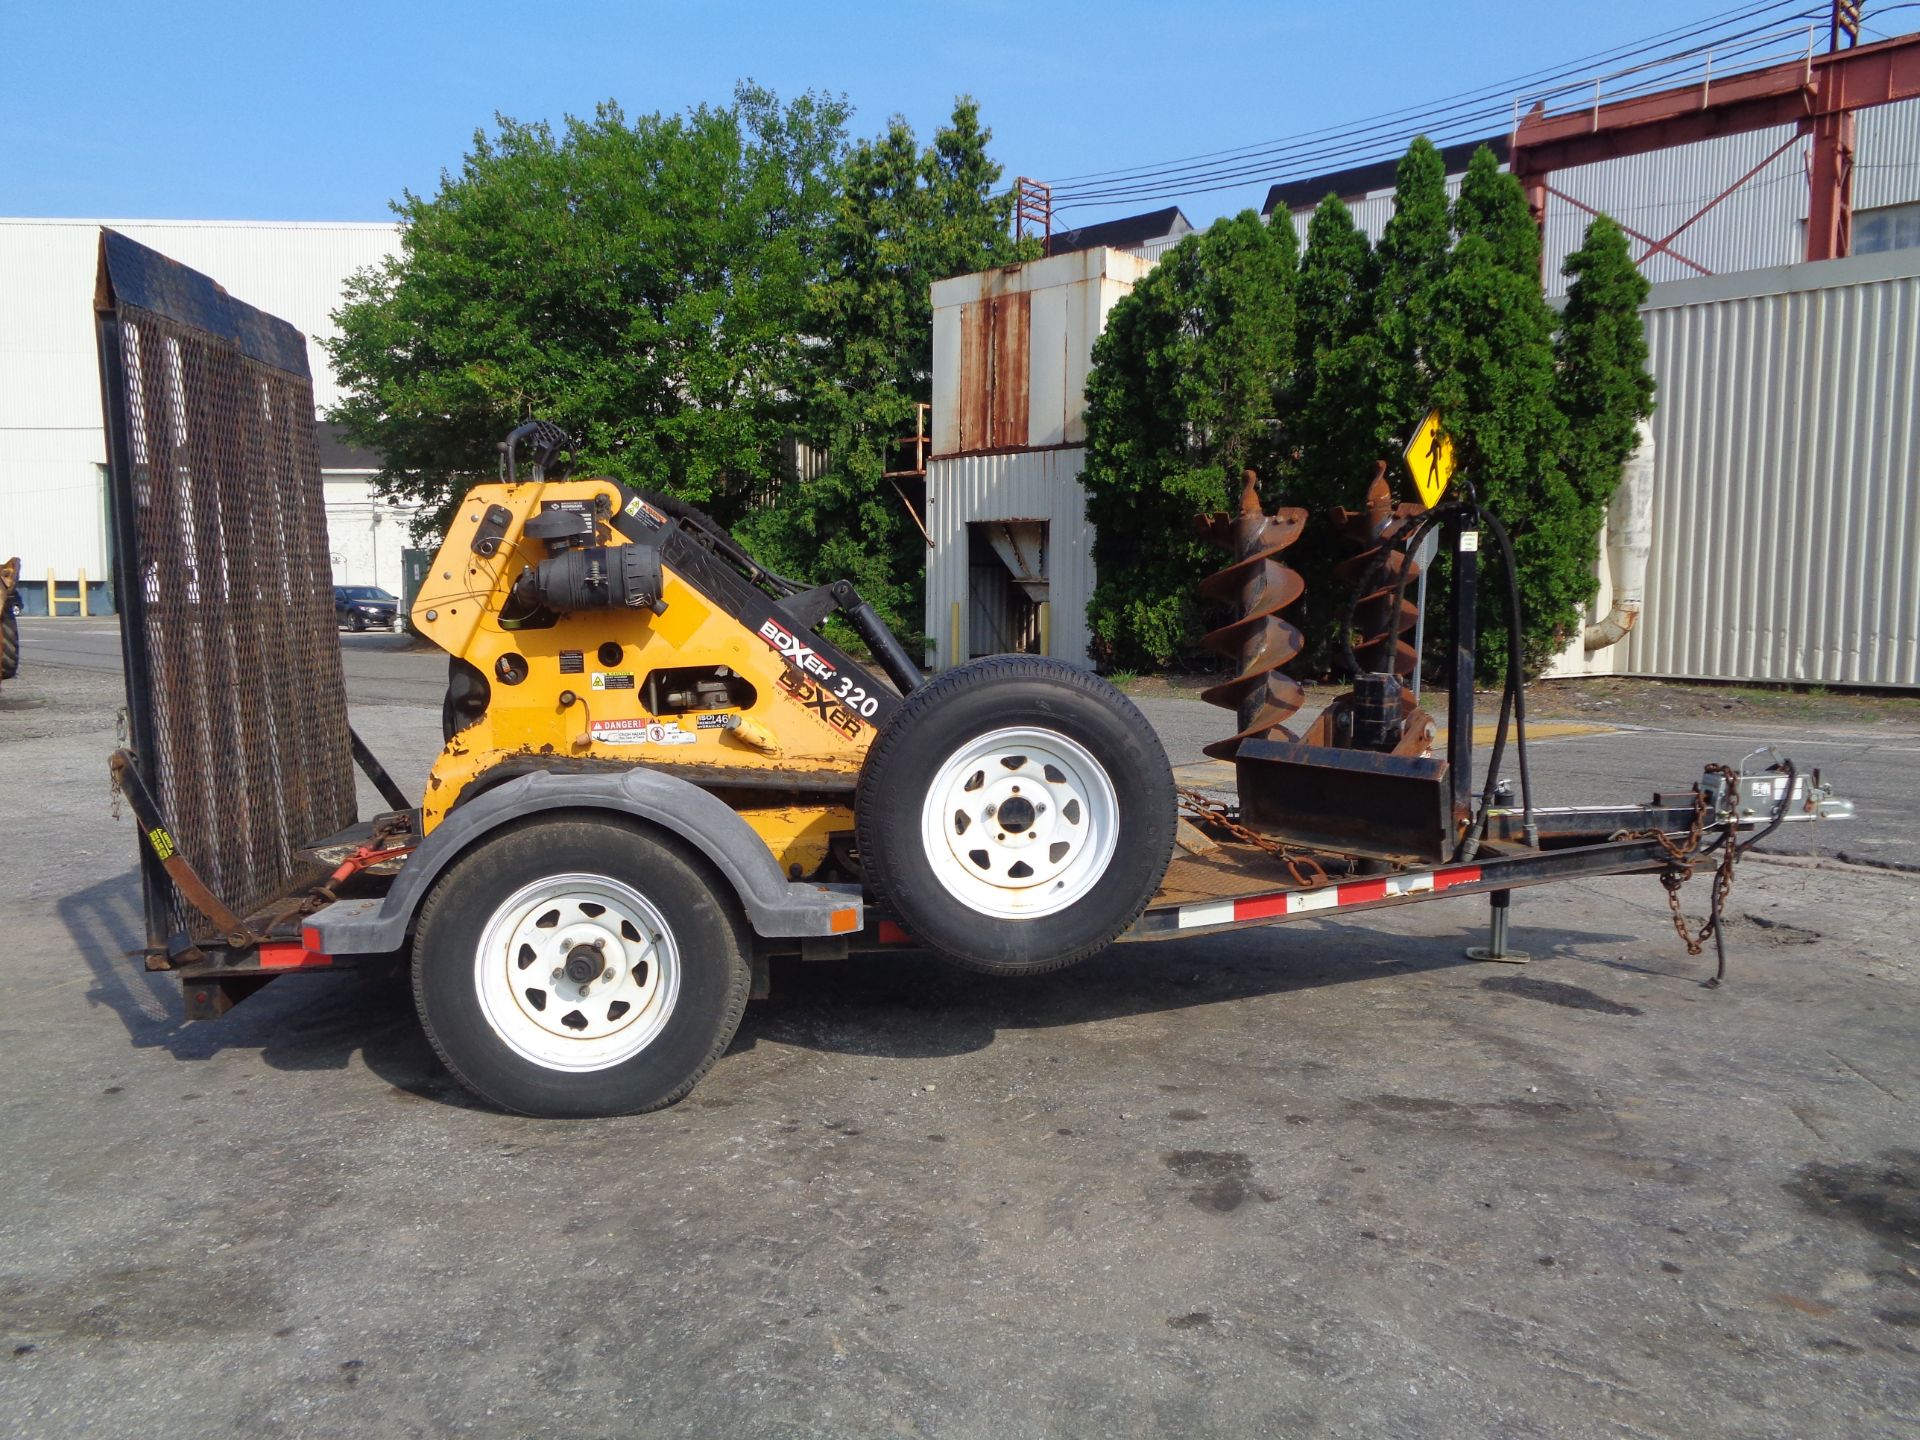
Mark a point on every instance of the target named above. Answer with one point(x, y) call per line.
point(326, 111)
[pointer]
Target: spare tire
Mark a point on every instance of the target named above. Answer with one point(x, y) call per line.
point(1017, 814)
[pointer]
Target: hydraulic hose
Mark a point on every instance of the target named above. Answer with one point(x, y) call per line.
point(1513, 706)
point(1513, 698)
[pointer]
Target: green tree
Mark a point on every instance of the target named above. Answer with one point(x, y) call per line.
point(1447, 310)
point(906, 217)
point(1411, 266)
point(638, 282)
point(1494, 369)
point(1493, 206)
point(1338, 419)
point(1604, 387)
point(1182, 398)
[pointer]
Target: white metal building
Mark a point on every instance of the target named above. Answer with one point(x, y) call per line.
point(1761, 223)
point(1827, 350)
point(1012, 563)
point(53, 511)
point(1784, 514)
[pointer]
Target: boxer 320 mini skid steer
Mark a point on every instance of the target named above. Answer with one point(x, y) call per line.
point(658, 772)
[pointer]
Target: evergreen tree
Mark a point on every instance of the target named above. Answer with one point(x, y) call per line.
point(1337, 418)
point(1541, 421)
point(1494, 384)
point(1493, 206)
point(1412, 264)
point(1604, 388)
point(1180, 400)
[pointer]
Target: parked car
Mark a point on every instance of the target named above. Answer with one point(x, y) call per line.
point(361, 607)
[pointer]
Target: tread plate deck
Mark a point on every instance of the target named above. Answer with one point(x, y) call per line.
point(1232, 870)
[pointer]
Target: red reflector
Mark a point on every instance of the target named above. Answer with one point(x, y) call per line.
point(892, 934)
point(283, 955)
point(1359, 892)
point(1260, 907)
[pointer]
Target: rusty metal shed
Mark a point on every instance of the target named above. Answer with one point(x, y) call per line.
point(1012, 561)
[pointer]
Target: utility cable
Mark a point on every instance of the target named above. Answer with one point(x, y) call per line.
point(1470, 112)
point(1499, 89)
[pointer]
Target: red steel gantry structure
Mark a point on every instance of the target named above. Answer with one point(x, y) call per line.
point(1818, 95)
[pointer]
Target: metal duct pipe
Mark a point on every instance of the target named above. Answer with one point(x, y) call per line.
point(1629, 542)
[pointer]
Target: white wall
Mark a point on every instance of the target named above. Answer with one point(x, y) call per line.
point(1071, 296)
point(1786, 511)
point(365, 534)
point(52, 508)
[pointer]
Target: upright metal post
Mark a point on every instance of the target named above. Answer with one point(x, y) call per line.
point(1496, 947)
point(1423, 556)
point(1466, 634)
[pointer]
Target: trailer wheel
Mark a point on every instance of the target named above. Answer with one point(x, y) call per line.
point(578, 966)
point(9, 643)
point(1016, 814)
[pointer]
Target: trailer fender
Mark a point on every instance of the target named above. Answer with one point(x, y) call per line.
point(775, 906)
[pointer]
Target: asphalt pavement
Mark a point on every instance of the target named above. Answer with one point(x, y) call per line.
point(1324, 1179)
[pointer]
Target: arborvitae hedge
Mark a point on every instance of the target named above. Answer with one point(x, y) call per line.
point(1448, 310)
point(1181, 399)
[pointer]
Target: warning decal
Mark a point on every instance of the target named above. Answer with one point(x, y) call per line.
point(641, 732)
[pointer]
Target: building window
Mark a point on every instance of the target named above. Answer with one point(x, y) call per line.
point(1886, 227)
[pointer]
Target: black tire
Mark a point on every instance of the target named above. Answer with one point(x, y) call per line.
point(702, 920)
point(356, 622)
point(934, 728)
point(9, 644)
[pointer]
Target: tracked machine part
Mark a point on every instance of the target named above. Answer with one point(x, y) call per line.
point(1260, 585)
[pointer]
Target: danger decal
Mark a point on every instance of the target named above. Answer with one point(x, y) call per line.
point(641, 732)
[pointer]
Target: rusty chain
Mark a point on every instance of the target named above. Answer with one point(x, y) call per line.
point(1683, 859)
point(1213, 814)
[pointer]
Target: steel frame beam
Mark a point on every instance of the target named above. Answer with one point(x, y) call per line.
point(1817, 94)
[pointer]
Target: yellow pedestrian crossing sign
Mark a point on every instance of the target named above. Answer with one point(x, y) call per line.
point(1429, 457)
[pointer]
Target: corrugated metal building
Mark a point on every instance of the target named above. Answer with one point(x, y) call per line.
point(1786, 495)
point(1761, 223)
point(52, 500)
point(1012, 563)
point(1786, 393)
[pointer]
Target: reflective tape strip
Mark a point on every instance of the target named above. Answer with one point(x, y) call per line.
point(1214, 912)
point(1330, 897)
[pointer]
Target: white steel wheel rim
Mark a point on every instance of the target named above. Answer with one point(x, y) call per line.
point(1020, 823)
point(561, 1019)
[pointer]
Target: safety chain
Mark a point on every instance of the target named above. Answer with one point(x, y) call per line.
point(1683, 858)
point(1213, 814)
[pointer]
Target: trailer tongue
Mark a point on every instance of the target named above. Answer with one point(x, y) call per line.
point(658, 773)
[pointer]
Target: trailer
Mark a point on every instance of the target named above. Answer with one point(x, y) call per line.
point(659, 771)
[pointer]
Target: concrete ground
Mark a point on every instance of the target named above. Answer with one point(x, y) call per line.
point(1320, 1179)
